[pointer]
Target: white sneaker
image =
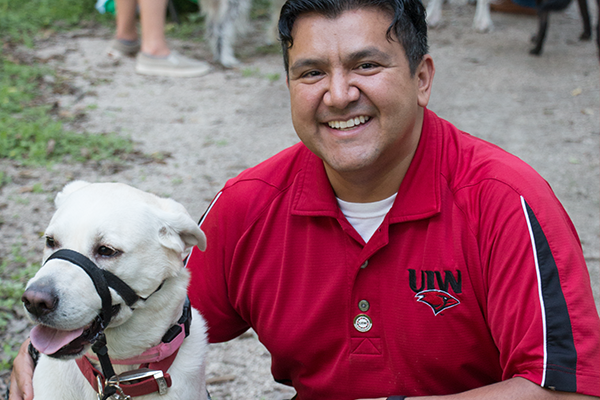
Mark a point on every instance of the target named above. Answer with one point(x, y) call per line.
point(174, 65)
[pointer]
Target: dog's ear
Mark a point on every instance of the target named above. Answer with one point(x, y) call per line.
point(67, 190)
point(179, 231)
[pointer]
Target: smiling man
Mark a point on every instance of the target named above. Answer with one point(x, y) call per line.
point(356, 103)
point(389, 254)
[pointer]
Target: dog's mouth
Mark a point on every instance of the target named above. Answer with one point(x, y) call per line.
point(66, 344)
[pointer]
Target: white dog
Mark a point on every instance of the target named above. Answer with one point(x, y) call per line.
point(482, 22)
point(140, 239)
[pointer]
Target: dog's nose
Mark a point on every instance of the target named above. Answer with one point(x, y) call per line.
point(40, 300)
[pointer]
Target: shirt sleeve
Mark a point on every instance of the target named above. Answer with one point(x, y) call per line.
point(208, 290)
point(540, 306)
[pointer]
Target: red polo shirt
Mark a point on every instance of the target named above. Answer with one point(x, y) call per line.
point(476, 275)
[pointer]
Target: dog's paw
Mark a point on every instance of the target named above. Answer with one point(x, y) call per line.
point(536, 51)
point(229, 61)
point(585, 36)
point(483, 25)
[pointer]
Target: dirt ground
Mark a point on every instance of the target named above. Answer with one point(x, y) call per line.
point(205, 130)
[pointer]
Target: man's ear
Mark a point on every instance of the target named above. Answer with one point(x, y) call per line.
point(424, 74)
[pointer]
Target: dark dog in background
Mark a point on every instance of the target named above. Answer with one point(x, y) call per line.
point(544, 8)
point(482, 22)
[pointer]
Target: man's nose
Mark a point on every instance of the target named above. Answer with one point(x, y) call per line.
point(341, 91)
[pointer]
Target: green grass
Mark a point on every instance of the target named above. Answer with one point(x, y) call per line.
point(15, 271)
point(31, 135)
point(22, 21)
point(29, 132)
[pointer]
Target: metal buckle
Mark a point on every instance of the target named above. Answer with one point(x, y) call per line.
point(100, 387)
point(139, 374)
point(120, 395)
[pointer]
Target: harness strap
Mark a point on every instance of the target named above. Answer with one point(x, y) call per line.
point(124, 290)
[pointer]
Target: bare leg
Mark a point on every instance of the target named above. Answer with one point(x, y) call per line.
point(126, 20)
point(152, 17)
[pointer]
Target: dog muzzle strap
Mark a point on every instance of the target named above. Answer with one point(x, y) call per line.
point(102, 280)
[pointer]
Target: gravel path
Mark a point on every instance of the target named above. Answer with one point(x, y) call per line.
point(202, 131)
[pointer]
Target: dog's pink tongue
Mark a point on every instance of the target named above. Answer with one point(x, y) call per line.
point(49, 340)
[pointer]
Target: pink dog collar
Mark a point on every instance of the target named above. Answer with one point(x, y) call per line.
point(153, 354)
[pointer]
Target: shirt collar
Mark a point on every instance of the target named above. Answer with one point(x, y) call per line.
point(419, 193)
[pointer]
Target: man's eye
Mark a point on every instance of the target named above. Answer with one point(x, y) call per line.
point(311, 74)
point(367, 66)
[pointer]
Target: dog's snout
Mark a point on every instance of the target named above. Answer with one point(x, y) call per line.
point(40, 300)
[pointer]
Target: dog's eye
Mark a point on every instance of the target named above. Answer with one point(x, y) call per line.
point(50, 242)
point(105, 251)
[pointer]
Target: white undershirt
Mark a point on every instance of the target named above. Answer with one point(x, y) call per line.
point(366, 217)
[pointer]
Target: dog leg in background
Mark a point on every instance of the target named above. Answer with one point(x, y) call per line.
point(598, 28)
point(544, 9)
point(585, 19)
point(222, 17)
point(434, 13)
point(272, 30)
point(483, 19)
point(540, 37)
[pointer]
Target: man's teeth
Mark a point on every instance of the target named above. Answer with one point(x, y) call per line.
point(348, 124)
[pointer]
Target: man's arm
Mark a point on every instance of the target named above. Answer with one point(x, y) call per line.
point(21, 387)
point(514, 388)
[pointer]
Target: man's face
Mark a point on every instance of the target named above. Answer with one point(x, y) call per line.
point(354, 102)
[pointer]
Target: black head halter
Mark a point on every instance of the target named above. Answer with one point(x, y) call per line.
point(102, 280)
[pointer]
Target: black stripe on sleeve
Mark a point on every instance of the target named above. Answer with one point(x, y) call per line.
point(561, 361)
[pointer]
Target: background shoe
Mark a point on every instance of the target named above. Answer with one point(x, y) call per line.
point(121, 48)
point(174, 65)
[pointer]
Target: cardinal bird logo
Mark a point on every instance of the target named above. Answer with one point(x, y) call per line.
point(438, 300)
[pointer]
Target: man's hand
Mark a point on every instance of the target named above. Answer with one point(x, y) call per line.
point(514, 388)
point(21, 387)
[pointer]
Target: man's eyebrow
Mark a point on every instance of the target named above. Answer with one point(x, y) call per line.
point(372, 53)
point(304, 63)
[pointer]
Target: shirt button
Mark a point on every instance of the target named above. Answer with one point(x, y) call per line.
point(364, 265)
point(363, 305)
point(362, 323)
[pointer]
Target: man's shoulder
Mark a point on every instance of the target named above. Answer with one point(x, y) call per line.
point(469, 161)
point(257, 186)
point(277, 171)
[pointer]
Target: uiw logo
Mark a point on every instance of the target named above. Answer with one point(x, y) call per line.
point(436, 296)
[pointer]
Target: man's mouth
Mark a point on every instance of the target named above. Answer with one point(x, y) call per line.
point(66, 344)
point(351, 123)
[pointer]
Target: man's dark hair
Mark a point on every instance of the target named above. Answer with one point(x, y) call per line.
point(408, 22)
